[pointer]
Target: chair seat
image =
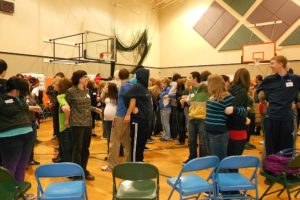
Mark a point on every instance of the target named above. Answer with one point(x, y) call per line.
point(234, 182)
point(291, 181)
point(191, 184)
point(142, 189)
point(64, 190)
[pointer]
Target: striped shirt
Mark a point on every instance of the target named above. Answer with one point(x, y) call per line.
point(216, 118)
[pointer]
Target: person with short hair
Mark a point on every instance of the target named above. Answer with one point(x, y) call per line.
point(280, 90)
point(79, 101)
point(120, 133)
point(197, 99)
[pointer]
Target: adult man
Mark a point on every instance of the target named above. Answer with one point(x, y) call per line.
point(281, 90)
point(139, 114)
point(120, 133)
point(197, 99)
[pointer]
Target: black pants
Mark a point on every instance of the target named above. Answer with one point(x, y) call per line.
point(251, 126)
point(173, 122)
point(278, 134)
point(181, 126)
point(158, 125)
point(143, 127)
point(55, 112)
point(94, 117)
point(34, 133)
point(66, 144)
point(236, 147)
point(81, 140)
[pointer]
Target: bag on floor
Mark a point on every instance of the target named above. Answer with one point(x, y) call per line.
point(275, 164)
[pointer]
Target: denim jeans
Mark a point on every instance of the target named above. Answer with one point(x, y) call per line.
point(15, 153)
point(197, 127)
point(165, 120)
point(218, 144)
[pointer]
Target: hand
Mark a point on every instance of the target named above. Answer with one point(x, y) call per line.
point(127, 119)
point(248, 121)
point(98, 110)
point(66, 123)
point(98, 98)
point(248, 109)
point(229, 110)
point(135, 110)
point(66, 108)
point(166, 96)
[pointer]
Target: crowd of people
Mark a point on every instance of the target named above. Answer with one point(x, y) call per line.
point(216, 114)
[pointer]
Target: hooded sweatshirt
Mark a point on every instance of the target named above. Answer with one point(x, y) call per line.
point(141, 93)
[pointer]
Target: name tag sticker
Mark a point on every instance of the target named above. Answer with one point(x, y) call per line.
point(94, 93)
point(9, 101)
point(289, 84)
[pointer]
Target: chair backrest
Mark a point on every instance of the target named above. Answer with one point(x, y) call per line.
point(7, 185)
point(201, 163)
point(59, 170)
point(135, 171)
point(294, 163)
point(238, 162)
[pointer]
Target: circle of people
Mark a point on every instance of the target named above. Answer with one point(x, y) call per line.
point(134, 108)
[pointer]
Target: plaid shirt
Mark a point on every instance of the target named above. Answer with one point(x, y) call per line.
point(80, 104)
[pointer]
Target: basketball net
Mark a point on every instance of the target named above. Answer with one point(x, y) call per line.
point(256, 61)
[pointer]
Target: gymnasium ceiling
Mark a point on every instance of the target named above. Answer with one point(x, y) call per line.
point(218, 22)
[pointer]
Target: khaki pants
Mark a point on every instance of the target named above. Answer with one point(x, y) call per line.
point(120, 134)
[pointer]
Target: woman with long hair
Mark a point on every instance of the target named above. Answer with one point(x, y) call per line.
point(237, 126)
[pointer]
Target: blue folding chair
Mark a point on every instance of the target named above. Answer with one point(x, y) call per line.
point(192, 184)
point(75, 190)
point(235, 185)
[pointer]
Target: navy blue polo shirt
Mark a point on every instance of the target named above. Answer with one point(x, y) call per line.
point(281, 92)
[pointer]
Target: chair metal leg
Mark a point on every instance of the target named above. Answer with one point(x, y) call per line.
point(170, 196)
point(298, 192)
point(197, 197)
point(289, 195)
point(266, 192)
point(281, 192)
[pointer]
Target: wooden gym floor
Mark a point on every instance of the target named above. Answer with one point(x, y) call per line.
point(167, 156)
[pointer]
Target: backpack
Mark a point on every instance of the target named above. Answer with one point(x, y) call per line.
point(275, 163)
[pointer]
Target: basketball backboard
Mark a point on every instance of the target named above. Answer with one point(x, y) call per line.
point(262, 52)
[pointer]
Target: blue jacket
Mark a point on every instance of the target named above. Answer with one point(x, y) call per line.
point(163, 93)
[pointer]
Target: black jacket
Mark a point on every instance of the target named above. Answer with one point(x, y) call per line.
point(141, 93)
point(240, 99)
point(2, 85)
point(12, 113)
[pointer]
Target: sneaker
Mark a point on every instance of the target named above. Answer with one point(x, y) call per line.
point(57, 159)
point(29, 196)
point(33, 162)
point(105, 169)
point(89, 177)
point(261, 142)
point(149, 141)
point(188, 160)
point(249, 146)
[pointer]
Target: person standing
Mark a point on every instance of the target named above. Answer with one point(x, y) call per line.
point(120, 133)
point(139, 114)
point(79, 101)
point(165, 109)
point(197, 99)
point(280, 90)
point(16, 138)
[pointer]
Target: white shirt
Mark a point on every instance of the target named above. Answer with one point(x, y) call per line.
point(110, 110)
point(35, 91)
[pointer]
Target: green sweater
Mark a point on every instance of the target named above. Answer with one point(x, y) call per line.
point(197, 99)
point(61, 116)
